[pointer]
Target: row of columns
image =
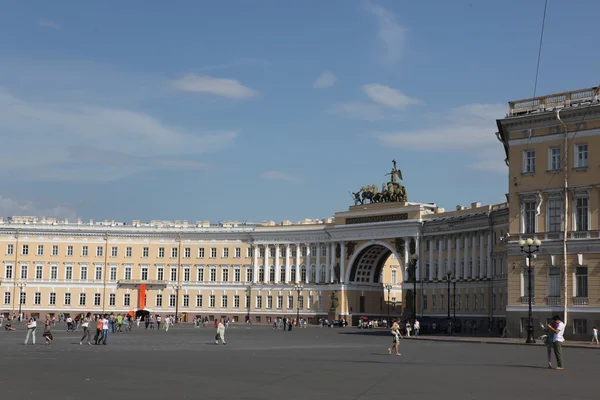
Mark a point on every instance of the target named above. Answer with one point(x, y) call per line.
point(480, 242)
point(330, 258)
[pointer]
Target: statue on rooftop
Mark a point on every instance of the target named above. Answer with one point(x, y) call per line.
point(392, 191)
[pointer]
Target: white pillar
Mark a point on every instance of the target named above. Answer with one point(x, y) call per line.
point(287, 263)
point(473, 256)
point(406, 254)
point(277, 274)
point(332, 266)
point(343, 262)
point(441, 273)
point(327, 263)
point(318, 262)
point(449, 254)
point(488, 265)
point(418, 253)
point(431, 268)
point(482, 257)
point(466, 272)
point(255, 266)
point(307, 261)
point(297, 263)
point(458, 259)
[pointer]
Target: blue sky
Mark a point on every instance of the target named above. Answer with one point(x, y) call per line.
point(268, 110)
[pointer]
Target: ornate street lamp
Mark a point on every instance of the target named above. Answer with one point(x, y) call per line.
point(389, 289)
point(529, 252)
point(21, 286)
point(298, 289)
point(177, 287)
point(413, 267)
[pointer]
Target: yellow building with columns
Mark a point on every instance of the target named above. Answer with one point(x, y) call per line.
point(552, 143)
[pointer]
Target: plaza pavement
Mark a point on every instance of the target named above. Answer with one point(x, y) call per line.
point(261, 363)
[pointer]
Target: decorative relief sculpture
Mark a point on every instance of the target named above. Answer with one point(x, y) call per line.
point(392, 191)
point(336, 271)
point(350, 248)
point(334, 301)
point(399, 244)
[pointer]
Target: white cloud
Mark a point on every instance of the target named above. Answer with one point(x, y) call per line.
point(325, 80)
point(389, 97)
point(277, 176)
point(359, 110)
point(67, 141)
point(229, 88)
point(11, 207)
point(47, 23)
point(468, 129)
point(391, 34)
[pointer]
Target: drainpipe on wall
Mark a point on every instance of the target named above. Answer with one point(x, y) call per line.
point(566, 216)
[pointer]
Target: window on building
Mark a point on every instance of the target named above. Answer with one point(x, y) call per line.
point(554, 214)
point(293, 274)
point(269, 302)
point(25, 250)
point(581, 282)
point(114, 251)
point(198, 300)
point(310, 302)
point(98, 299)
point(84, 251)
point(68, 272)
point(211, 301)
point(238, 252)
point(99, 251)
point(161, 252)
point(10, 249)
point(272, 251)
point(282, 273)
point(529, 217)
point(54, 272)
point(303, 251)
point(554, 282)
point(174, 274)
point(279, 302)
point(39, 271)
point(249, 252)
point(424, 302)
point(126, 300)
point(69, 251)
point(172, 300)
point(528, 161)
point(236, 301)
point(247, 304)
point(23, 298)
point(442, 304)
point(113, 273)
point(581, 214)
point(290, 302)
point(127, 276)
point(52, 299)
point(482, 301)
point(272, 273)
point(200, 274)
point(581, 156)
point(146, 252)
point(249, 273)
point(554, 159)
point(186, 274)
point(225, 274)
point(237, 275)
point(128, 252)
point(301, 302)
point(40, 250)
point(23, 271)
point(201, 252)
point(303, 273)
point(98, 276)
point(394, 277)
point(467, 302)
point(144, 273)
point(580, 326)
point(225, 252)
point(213, 252)
point(37, 298)
point(67, 299)
point(174, 252)
point(213, 274)
point(160, 273)
point(159, 300)
point(258, 302)
point(186, 300)
point(82, 299)
point(261, 273)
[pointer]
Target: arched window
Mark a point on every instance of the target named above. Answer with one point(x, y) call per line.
point(282, 273)
point(313, 273)
point(272, 273)
point(293, 277)
point(261, 273)
point(323, 274)
point(303, 273)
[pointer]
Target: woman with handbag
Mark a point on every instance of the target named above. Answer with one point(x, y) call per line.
point(47, 332)
point(86, 329)
point(31, 325)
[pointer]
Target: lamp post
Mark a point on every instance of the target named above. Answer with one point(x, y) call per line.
point(453, 304)
point(177, 286)
point(413, 268)
point(448, 275)
point(529, 252)
point(21, 286)
point(248, 302)
point(298, 289)
point(389, 289)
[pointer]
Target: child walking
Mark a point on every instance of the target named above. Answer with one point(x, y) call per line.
point(594, 335)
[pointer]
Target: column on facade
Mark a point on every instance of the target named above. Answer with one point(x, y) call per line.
point(287, 263)
point(277, 274)
point(458, 259)
point(343, 262)
point(449, 254)
point(332, 266)
point(473, 255)
point(482, 257)
point(441, 271)
point(406, 257)
point(418, 253)
point(489, 256)
point(266, 264)
point(466, 271)
point(327, 263)
point(431, 269)
point(307, 262)
point(297, 263)
point(318, 262)
point(255, 262)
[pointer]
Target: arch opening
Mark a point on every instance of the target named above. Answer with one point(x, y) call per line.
point(368, 264)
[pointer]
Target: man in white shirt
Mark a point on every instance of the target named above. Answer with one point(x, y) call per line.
point(105, 326)
point(417, 327)
point(558, 327)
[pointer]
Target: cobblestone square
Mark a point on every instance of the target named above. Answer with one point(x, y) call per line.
point(261, 363)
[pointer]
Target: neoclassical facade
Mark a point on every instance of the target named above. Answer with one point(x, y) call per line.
point(552, 145)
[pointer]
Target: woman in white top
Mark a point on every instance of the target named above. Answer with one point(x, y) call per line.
point(31, 325)
point(220, 332)
point(86, 329)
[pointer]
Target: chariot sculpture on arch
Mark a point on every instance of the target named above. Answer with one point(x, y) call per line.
point(392, 191)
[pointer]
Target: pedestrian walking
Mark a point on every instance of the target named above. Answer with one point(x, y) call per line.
point(31, 326)
point(396, 338)
point(47, 330)
point(86, 329)
point(99, 329)
point(594, 335)
point(105, 327)
point(220, 332)
point(558, 328)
